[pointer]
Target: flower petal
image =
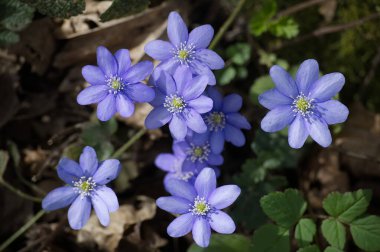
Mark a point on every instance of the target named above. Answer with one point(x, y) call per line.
point(284, 81)
point(123, 61)
point(79, 212)
point(200, 68)
point(195, 121)
point(59, 198)
point(277, 119)
point(159, 50)
point(319, 131)
point(181, 225)
point(238, 120)
point(234, 135)
point(205, 183)
point(333, 111)
point(195, 87)
point(222, 223)
point(165, 83)
point(166, 162)
point(224, 196)
point(182, 76)
point(298, 132)
point(159, 98)
point(215, 159)
point(178, 127)
point(169, 65)
point(101, 209)
point(93, 75)
point(307, 74)
point(109, 197)
point(69, 170)
point(201, 232)
point(92, 94)
point(108, 170)
point(216, 97)
point(140, 92)
point(158, 117)
point(201, 36)
point(232, 103)
point(177, 29)
point(273, 98)
point(327, 86)
point(217, 141)
point(202, 104)
point(181, 189)
point(210, 58)
point(138, 72)
point(88, 161)
point(173, 204)
point(106, 61)
point(106, 108)
point(124, 105)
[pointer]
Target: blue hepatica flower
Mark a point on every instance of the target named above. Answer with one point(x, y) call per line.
point(186, 49)
point(179, 102)
point(199, 206)
point(115, 84)
point(305, 104)
point(224, 122)
point(86, 187)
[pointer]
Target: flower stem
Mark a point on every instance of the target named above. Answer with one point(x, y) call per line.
point(227, 24)
point(19, 232)
point(128, 144)
point(19, 192)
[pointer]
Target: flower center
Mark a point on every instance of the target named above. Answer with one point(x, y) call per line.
point(84, 186)
point(199, 153)
point(184, 53)
point(303, 105)
point(174, 103)
point(115, 83)
point(200, 207)
point(216, 121)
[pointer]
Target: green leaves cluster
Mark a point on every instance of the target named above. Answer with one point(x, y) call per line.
point(123, 8)
point(58, 8)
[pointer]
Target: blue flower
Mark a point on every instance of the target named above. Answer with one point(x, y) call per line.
point(179, 102)
point(199, 207)
point(86, 187)
point(115, 84)
point(224, 122)
point(186, 49)
point(305, 104)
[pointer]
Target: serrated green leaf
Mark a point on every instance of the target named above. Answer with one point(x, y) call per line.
point(4, 157)
point(366, 232)
point(332, 249)
point(271, 238)
point(285, 27)
point(15, 15)
point(285, 208)
point(123, 8)
point(305, 232)
point(310, 248)
point(58, 8)
point(8, 38)
point(348, 206)
point(260, 85)
point(224, 243)
point(226, 75)
point(239, 53)
point(260, 20)
point(334, 232)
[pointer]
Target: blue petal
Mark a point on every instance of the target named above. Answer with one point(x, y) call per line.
point(298, 132)
point(284, 82)
point(232, 103)
point(158, 117)
point(173, 204)
point(59, 198)
point(224, 196)
point(177, 29)
point(159, 50)
point(106, 61)
point(123, 61)
point(166, 162)
point(194, 121)
point(327, 86)
point(319, 131)
point(92, 94)
point(215, 159)
point(199, 68)
point(277, 119)
point(93, 75)
point(234, 135)
point(195, 87)
point(169, 65)
point(138, 72)
point(69, 170)
point(217, 141)
point(210, 58)
point(216, 97)
point(205, 183)
point(159, 98)
point(109, 198)
point(201, 36)
point(181, 225)
point(181, 189)
point(101, 210)
point(201, 232)
point(88, 161)
point(79, 212)
point(178, 127)
point(107, 171)
point(307, 74)
point(273, 98)
point(140, 92)
point(106, 108)
point(165, 83)
point(222, 223)
point(182, 76)
point(239, 121)
point(202, 104)
point(333, 111)
point(124, 105)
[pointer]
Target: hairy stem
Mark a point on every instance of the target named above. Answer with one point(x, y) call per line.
point(129, 143)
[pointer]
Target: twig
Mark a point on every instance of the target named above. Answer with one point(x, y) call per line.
point(372, 71)
point(19, 192)
point(298, 7)
point(129, 143)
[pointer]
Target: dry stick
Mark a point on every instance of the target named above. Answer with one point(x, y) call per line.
point(298, 7)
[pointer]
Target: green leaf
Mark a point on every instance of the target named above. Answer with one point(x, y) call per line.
point(285, 208)
point(285, 27)
point(226, 75)
point(332, 249)
point(260, 85)
point(224, 243)
point(15, 15)
point(271, 238)
point(58, 8)
point(348, 206)
point(4, 157)
point(260, 20)
point(334, 232)
point(310, 248)
point(242, 72)
point(366, 233)
point(305, 232)
point(123, 8)
point(239, 53)
point(8, 38)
